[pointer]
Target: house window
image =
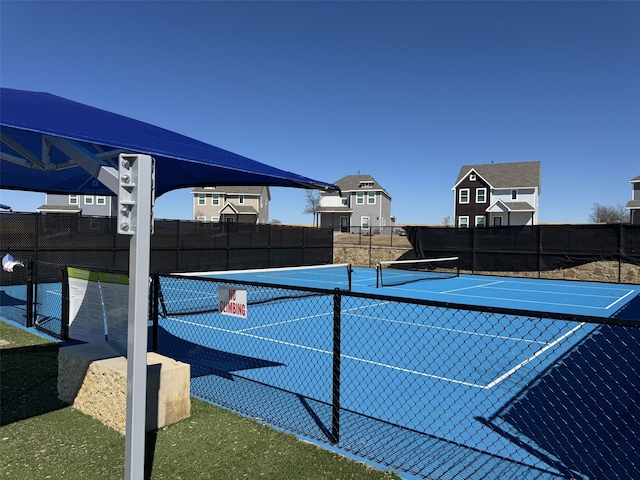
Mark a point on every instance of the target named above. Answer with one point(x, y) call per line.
point(480, 221)
point(73, 199)
point(215, 219)
point(101, 200)
point(366, 184)
point(463, 222)
point(202, 219)
point(345, 199)
point(215, 199)
point(371, 198)
point(241, 199)
point(481, 195)
point(88, 199)
point(201, 199)
point(463, 195)
point(514, 194)
point(472, 177)
point(364, 222)
point(360, 198)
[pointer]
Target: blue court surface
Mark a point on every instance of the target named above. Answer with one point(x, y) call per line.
point(438, 371)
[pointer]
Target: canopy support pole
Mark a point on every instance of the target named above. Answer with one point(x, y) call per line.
point(135, 217)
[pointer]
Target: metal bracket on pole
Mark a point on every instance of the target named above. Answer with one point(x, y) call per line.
point(136, 192)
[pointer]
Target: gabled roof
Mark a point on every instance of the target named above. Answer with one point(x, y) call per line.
point(637, 179)
point(510, 207)
point(351, 183)
point(505, 175)
point(239, 209)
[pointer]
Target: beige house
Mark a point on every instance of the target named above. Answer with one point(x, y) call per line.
point(231, 204)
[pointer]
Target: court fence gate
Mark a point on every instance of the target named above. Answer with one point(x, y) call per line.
point(436, 390)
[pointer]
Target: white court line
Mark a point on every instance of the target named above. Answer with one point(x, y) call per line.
point(620, 299)
point(385, 365)
point(453, 330)
point(548, 292)
point(482, 285)
point(536, 302)
point(326, 314)
point(538, 353)
point(318, 350)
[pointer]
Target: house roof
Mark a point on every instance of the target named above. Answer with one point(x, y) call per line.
point(511, 206)
point(633, 204)
point(505, 175)
point(239, 209)
point(246, 190)
point(637, 179)
point(58, 209)
point(351, 183)
point(335, 209)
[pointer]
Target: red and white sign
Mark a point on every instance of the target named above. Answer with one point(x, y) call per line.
point(232, 302)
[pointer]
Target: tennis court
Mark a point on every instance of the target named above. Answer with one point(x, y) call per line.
point(431, 367)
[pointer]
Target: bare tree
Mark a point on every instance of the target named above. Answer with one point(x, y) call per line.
point(312, 204)
point(608, 214)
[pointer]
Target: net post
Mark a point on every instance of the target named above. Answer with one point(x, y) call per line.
point(64, 326)
point(335, 416)
point(349, 275)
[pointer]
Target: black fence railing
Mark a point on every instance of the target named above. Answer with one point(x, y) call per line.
point(386, 236)
point(176, 245)
point(433, 389)
point(535, 249)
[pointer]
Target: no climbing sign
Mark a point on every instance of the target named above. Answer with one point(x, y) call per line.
point(232, 302)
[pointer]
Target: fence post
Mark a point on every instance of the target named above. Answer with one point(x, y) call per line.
point(30, 303)
point(335, 416)
point(153, 302)
point(64, 324)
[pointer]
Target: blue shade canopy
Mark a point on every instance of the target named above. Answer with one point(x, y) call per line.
point(32, 124)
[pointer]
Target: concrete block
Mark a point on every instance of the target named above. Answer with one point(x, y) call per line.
point(93, 378)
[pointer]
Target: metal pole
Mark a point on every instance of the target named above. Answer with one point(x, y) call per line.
point(335, 417)
point(135, 195)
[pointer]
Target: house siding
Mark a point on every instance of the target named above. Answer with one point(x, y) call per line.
point(471, 209)
point(88, 209)
point(258, 201)
point(378, 212)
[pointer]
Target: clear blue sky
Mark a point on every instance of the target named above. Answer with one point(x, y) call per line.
point(404, 91)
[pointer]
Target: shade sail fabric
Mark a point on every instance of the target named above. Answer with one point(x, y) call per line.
point(27, 117)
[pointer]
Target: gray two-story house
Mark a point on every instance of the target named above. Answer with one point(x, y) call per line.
point(497, 194)
point(363, 205)
point(86, 205)
point(634, 204)
point(231, 204)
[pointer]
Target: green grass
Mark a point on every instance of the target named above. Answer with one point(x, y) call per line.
point(41, 437)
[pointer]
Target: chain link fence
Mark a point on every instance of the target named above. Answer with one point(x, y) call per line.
point(440, 391)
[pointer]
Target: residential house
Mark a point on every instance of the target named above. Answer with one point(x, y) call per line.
point(634, 204)
point(497, 194)
point(362, 205)
point(229, 204)
point(86, 205)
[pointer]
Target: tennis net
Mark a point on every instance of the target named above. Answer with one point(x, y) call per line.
point(401, 272)
point(197, 293)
